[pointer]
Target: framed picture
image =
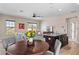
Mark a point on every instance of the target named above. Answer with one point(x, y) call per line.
point(21, 26)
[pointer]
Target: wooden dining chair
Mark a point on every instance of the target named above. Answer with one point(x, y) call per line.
point(56, 48)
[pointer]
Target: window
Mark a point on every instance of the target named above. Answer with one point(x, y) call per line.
point(10, 27)
point(32, 26)
point(10, 23)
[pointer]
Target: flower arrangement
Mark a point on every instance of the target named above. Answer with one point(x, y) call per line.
point(30, 34)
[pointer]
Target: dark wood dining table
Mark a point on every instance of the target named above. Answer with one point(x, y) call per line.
point(22, 47)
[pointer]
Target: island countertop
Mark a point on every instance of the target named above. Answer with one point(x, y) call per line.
point(53, 34)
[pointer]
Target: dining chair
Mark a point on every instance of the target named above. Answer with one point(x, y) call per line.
point(8, 41)
point(56, 48)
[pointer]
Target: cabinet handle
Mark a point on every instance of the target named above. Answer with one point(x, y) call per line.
point(49, 38)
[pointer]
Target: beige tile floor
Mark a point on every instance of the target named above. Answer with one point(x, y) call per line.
point(71, 49)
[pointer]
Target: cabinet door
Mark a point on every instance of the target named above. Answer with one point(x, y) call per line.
point(64, 39)
point(51, 41)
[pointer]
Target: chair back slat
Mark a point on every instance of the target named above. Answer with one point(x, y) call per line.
point(57, 46)
point(9, 41)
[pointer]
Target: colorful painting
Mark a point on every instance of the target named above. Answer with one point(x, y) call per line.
point(21, 26)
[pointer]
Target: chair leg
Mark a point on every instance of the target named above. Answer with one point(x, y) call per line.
point(6, 53)
point(5, 49)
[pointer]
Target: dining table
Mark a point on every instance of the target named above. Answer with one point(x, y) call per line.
point(23, 47)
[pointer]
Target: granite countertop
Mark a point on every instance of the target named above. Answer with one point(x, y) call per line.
point(54, 34)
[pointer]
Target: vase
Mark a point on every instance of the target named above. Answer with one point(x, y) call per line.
point(30, 40)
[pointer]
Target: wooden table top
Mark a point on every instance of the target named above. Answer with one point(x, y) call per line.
point(22, 48)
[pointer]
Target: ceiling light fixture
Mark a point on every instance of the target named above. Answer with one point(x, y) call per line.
point(59, 9)
point(34, 15)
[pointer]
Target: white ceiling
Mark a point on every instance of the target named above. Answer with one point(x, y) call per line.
point(40, 9)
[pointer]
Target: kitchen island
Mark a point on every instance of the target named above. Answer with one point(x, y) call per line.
point(51, 38)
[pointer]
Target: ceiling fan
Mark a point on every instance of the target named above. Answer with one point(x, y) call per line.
point(34, 15)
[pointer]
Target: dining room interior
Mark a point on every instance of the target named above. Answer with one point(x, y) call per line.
point(39, 29)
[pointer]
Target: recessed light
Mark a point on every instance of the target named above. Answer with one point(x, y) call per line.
point(59, 9)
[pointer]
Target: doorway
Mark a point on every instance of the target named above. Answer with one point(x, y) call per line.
point(72, 29)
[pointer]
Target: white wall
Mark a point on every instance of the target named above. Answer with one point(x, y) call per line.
point(57, 24)
point(17, 20)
